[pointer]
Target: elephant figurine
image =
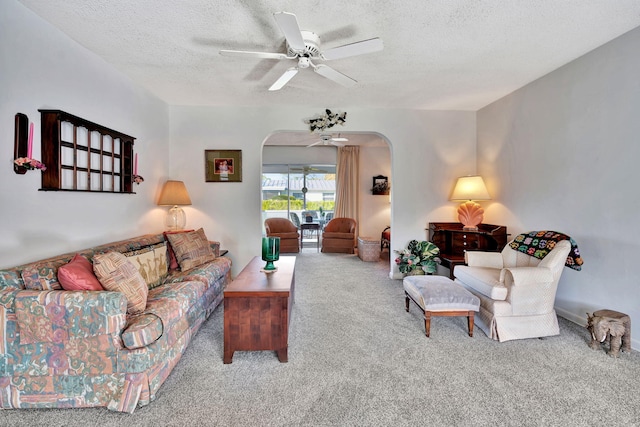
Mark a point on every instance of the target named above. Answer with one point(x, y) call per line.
point(609, 329)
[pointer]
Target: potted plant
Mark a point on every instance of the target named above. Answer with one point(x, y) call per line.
point(418, 258)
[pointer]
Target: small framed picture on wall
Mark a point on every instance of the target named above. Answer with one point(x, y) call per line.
point(223, 165)
point(380, 186)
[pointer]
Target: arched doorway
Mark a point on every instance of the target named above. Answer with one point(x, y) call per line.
point(286, 148)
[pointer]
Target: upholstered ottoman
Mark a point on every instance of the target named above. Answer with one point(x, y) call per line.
point(440, 296)
point(368, 249)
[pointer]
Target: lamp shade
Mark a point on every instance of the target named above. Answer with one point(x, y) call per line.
point(174, 193)
point(470, 188)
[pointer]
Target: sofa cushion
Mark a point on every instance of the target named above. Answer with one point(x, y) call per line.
point(78, 275)
point(117, 273)
point(10, 279)
point(173, 262)
point(142, 330)
point(484, 280)
point(192, 248)
point(42, 275)
point(206, 273)
point(151, 263)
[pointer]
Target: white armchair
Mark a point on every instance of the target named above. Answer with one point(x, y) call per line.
point(516, 291)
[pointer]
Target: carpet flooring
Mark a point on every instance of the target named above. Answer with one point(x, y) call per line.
point(356, 358)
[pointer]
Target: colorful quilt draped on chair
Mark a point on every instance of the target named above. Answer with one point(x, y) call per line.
point(539, 243)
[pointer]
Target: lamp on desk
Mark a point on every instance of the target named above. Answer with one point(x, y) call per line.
point(470, 188)
point(175, 193)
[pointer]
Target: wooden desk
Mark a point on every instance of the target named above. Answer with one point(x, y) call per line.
point(453, 241)
point(257, 309)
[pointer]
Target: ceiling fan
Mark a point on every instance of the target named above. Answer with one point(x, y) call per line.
point(308, 170)
point(304, 47)
point(326, 139)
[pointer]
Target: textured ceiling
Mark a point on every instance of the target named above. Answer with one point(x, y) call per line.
point(438, 54)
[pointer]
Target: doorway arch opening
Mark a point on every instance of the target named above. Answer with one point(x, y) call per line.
point(285, 153)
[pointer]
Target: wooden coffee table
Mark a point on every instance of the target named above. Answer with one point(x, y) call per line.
point(257, 309)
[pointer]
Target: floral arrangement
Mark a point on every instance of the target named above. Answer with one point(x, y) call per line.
point(138, 179)
point(418, 258)
point(326, 121)
point(31, 164)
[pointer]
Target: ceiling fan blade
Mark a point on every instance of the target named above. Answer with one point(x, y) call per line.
point(353, 49)
point(284, 79)
point(262, 55)
point(315, 143)
point(336, 143)
point(289, 26)
point(334, 75)
point(340, 139)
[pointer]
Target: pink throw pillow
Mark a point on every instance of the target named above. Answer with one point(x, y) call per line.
point(78, 275)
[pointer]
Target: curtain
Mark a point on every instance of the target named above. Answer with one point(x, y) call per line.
point(347, 182)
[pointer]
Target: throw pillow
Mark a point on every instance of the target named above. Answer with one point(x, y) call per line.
point(151, 262)
point(116, 273)
point(192, 249)
point(173, 262)
point(78, 275)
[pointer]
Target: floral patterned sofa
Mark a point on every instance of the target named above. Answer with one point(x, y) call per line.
point(61, 349)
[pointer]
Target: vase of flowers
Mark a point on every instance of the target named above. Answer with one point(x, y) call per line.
point(418, 258)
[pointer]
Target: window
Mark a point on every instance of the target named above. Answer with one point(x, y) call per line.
point(292, 189)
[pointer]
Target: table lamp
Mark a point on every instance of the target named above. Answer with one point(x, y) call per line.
point(174, 193)
point(470, 188)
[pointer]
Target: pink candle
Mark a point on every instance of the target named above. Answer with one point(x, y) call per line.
point(135, 164)
point(30, 146)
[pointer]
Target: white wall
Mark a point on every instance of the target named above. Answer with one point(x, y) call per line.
point(375, 211)
point(561, 154)
point(429, 150)
point(282, 155)
point(42, 68)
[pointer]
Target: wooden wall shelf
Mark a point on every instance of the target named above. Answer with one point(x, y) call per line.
point(84, 156)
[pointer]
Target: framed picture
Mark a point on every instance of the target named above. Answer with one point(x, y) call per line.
point(380, 185)
point(223, 165)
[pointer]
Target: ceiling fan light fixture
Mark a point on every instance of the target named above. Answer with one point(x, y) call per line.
point(304, 62)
